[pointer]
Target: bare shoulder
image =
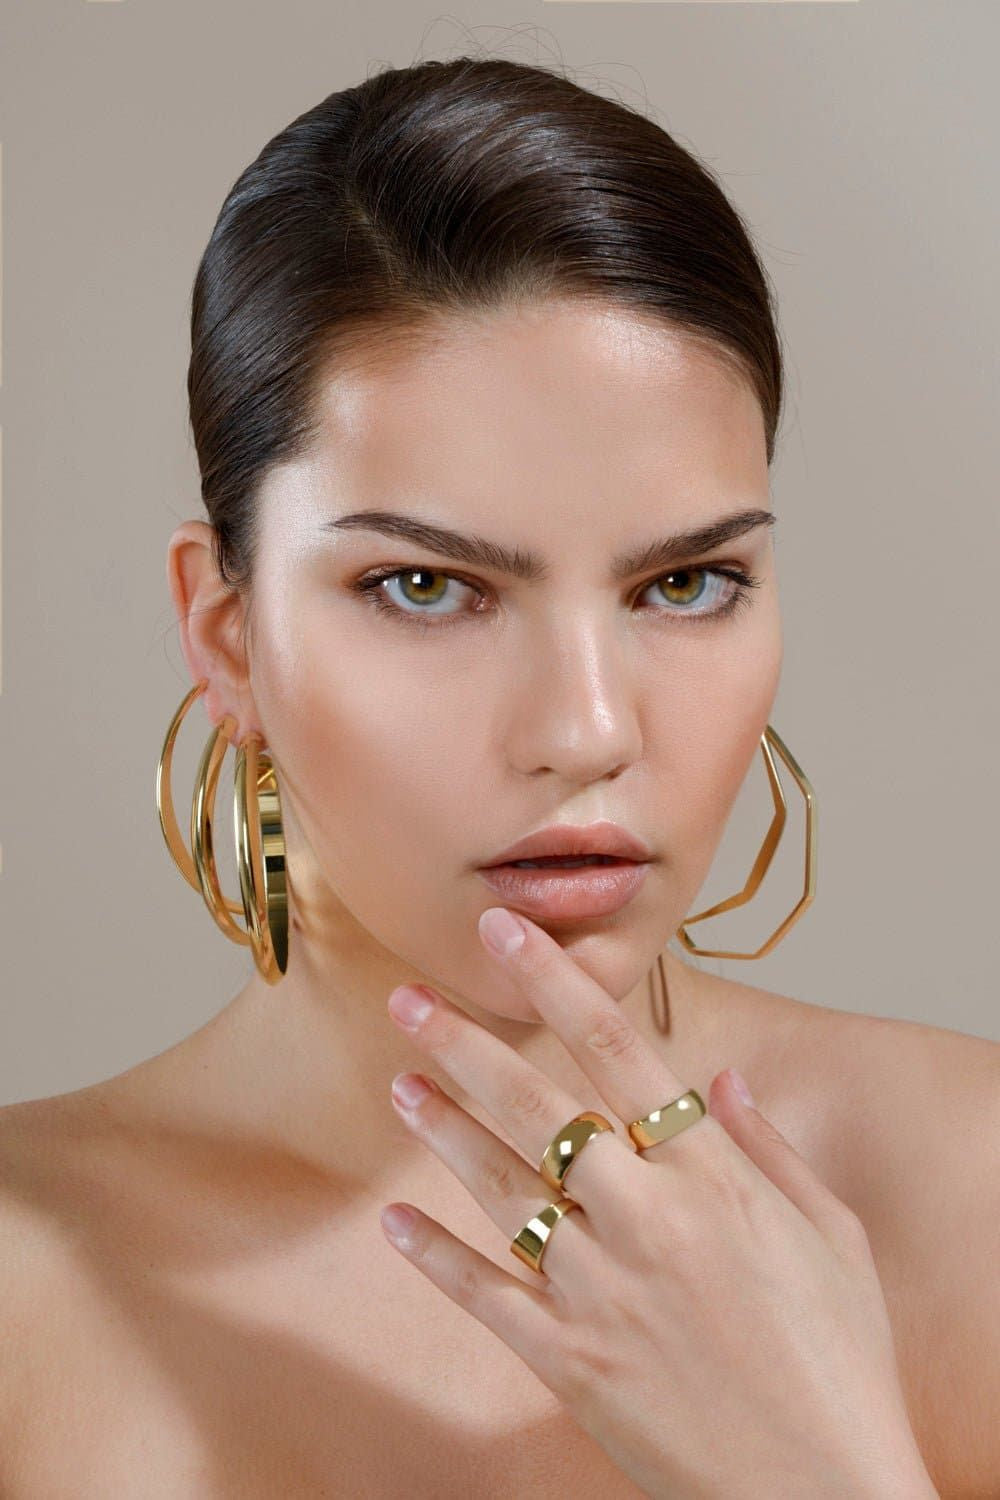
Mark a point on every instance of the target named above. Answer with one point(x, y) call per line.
point(916, 1110)
point(875, 1099)
point(36, 1141)
point(47, 1156)
point(46, 1149)
point(900, 1117)
point(924, 1162)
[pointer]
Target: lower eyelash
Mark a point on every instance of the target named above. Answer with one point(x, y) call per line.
point(369, 586)
point(739, 598)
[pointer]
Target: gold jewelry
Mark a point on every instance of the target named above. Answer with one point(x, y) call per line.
point(261, 847)
point(766, 854)
point(529, 1243)
point(566, 1145)
point(260, 843)
point(669, 1120)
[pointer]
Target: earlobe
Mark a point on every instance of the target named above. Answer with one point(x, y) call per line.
point(209, 621)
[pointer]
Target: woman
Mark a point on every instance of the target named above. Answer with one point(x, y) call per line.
point(484, 386)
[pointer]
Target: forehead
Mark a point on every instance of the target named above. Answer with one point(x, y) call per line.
point(558, 400)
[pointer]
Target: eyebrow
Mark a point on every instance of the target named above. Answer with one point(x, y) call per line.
point(480, 551)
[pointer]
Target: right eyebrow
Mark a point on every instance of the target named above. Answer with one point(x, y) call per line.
point(482, 552)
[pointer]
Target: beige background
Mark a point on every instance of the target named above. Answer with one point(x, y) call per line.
point(860, 141)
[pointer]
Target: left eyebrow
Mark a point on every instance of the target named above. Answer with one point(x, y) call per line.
point(481, 552)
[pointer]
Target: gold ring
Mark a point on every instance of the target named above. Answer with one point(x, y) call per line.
point(566, 1145)
point(660, 1124)
point(529, 1243)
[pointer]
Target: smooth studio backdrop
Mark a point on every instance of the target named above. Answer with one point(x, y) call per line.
point(858, 139)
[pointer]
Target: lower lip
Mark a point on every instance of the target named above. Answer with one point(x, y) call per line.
point(586, 891)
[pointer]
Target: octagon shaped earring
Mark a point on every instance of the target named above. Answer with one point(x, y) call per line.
point(765, 854)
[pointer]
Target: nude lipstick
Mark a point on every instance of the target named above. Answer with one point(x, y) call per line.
point(570, 872)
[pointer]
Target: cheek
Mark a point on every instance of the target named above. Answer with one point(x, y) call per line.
point(379, 759)
point(382, 778)
point(711, 730)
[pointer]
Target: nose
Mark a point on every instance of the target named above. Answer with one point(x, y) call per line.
point(575, 712)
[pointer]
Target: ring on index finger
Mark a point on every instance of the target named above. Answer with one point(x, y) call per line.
point(669, 1120)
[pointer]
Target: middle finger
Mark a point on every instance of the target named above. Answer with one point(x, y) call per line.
point(630, 1073)
point(527, 1105)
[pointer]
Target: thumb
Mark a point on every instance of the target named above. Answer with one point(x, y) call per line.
point(777, 1158)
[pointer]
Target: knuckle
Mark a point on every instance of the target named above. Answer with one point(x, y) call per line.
point(726, 1178)
point(734, 1187)
point(629, 1206)
point(557, 1364)
point(739, 1195)
point(466, 1284)
point(524, 1100)
point(497, 1179)
point(611, 1036)
point(772, 1137)
point(588, 1363)
point(624, 1312)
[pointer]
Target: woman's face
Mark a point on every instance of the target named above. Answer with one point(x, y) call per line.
point(413, 743)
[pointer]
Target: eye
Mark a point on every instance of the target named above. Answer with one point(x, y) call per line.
point(427, 588)
point(697, 591)
point(419, 586)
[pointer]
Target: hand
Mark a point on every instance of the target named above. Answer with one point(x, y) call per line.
point(711, 1315)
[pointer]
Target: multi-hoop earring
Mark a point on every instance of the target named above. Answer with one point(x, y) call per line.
point(260, 845)
point(260, 840)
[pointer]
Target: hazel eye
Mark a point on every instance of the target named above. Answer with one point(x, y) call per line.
point(422, 586)
point(686, 586)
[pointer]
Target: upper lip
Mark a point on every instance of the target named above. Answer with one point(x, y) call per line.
point(565, 839)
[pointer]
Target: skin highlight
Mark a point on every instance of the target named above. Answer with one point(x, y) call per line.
point(407, 755)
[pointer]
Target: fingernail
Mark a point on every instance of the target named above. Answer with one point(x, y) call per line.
point(397, 1221)
point(409, 1089)
point(500, 930)
point(410, 1007)
point(740, 1087)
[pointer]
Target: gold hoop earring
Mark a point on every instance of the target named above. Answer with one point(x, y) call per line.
point(260, 842)
point(766, 853)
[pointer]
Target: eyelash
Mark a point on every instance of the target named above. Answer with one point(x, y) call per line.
point(369, 586)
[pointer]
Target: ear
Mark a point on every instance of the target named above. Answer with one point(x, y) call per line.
point(210, 618)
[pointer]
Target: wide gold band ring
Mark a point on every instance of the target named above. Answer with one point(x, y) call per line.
point(529, 1243)
point(566, 1145)
point(660, 1124)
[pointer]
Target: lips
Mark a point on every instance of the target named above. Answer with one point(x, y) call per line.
point(618, 863)
point(567, 895)
point(569, 841)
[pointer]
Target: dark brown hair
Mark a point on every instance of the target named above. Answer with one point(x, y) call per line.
point(446, 187)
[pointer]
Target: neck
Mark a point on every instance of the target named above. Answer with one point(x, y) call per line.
point(303, 1068)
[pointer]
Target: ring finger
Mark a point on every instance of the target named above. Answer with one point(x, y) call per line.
point(501, 1181)
point(526, 1104)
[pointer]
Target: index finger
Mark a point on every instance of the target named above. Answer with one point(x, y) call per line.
point(629, 1074)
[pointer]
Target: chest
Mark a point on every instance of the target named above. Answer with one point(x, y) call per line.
point(335, 1375)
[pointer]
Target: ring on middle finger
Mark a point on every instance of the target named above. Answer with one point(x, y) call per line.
point(566, 1145)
